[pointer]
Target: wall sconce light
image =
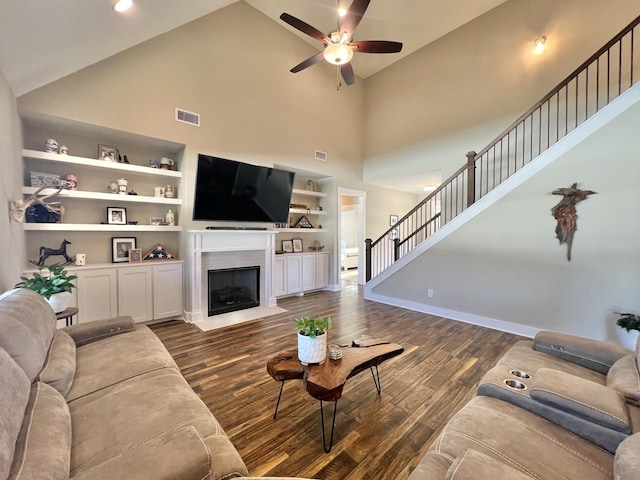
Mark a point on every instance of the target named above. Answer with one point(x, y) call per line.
point(122, 5)
point(539, 44)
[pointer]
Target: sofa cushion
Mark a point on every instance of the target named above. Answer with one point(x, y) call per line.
point(60, 366)
point(14, 395)
point(627, 461)
point(27, 327)
point(623, 377)
point(117, 358)
point(44, 445)
point(109, 422)
point(522, 440)
point(473, 465)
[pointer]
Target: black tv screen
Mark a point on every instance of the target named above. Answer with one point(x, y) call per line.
point(227, 190)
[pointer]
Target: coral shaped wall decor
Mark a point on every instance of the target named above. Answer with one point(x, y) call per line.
point(566, 215)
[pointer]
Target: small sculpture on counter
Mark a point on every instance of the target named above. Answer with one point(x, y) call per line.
point(18, 208)
point(46, 252)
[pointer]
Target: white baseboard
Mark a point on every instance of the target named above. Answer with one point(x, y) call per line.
point(494, 324)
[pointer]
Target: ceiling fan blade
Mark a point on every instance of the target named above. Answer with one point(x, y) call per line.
point(353, 17)
point(347, 73)
point(304, 27)
point(376, 46)
point(307, 63)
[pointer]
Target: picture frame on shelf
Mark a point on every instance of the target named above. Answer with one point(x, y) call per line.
point(135, 255)
point(158, 253)
point(393, 219)
point(297, 245)
point(287, 246)
point(108, 153)
point(121, 247)
point(156, 220)
point(116, 215)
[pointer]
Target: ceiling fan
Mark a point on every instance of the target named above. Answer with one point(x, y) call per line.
point(339, 45)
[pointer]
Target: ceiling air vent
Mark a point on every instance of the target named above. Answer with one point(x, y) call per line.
point(322, 156)
point(187, 117)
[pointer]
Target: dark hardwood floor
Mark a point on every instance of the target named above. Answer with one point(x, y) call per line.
point(376, 437)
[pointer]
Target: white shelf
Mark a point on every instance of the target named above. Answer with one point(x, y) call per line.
point(301, 230)
point(93, 163)
point(309, 193)
point(307, 211)
point(91, 227)
point(104, 196)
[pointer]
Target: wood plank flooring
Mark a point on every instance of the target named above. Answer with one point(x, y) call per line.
point(377, 436)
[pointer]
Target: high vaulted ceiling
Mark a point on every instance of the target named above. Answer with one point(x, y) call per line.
point(44, 40)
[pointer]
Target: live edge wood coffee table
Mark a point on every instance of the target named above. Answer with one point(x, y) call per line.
point(325, 382)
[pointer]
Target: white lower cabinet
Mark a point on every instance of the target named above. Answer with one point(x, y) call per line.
point(297, 273)
point(144, 292)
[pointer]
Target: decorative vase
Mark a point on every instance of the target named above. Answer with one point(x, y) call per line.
point(312, 350)
point(60, 301)
point(51, 145)
point(627, 339)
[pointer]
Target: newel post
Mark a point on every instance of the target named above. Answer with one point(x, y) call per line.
point(367, 260)
point(471, 178)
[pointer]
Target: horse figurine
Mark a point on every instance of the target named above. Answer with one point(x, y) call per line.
point(46, 252)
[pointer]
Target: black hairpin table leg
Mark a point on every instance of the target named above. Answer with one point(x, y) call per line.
point(327, 449)
point(278, 402)
point(376, 379)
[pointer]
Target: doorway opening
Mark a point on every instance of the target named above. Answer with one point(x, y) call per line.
point(351, 235)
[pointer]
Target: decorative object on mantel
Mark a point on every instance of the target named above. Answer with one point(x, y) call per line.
point(64, 150)
point(135, 255)
point(316, 247)
point(116, 216)
point(51, 145)
point(310, 186)
point(303, 222)
point(108, 153)
point(70, 182)
point(18, 208)
point(159, 252)
point(55, 286)
point(566, 215)
point(170, 218)
point(298, 206)
point(120, 248)
point(297, 245)
point(312, 339)
point(46, 252)
point(122, 186)
point(287, 246)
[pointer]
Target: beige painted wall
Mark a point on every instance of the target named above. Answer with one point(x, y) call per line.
point(11, 239)
point(506, 263)
point(232, 67)
point(428, 110)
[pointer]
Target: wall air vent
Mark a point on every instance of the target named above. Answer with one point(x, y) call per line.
point(321, 156)
point(187, 117)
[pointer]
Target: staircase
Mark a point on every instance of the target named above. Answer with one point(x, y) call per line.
point(600, 80)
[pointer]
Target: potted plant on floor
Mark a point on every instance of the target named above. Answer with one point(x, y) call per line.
point(312, 339)
point(54, 286)
point(631, 323)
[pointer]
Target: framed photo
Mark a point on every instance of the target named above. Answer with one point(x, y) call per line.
point(297, 245)
point(116, 216)
point(120, 248)
point(135, 255)
point(108, 153)
point(393, 219)
point(156, 221)
point(287, 246)
point(394, 234)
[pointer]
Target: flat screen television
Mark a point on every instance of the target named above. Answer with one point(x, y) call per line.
point(227, 190)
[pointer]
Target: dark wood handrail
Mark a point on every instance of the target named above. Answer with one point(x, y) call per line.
point(419, 229)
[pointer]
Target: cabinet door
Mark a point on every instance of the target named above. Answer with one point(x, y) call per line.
point(135, 293)
point(308, 272)
point(279, 276)
point(97, 294)
point(294, 274)
point(322, 270)
point(167, 290)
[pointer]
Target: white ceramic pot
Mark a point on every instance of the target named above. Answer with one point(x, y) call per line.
point(312, 350)
point(60, 301)
point(627, 339)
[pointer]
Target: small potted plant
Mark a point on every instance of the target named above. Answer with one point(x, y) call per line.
point(54, 286)
point(631, 323)
point(312, 339)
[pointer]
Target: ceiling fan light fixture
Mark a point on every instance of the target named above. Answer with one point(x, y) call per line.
point(122, 5)
point(338, 53)
point(342, 11)
point(539, 44)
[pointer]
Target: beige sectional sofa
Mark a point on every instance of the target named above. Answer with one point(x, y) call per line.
point(557, 407)
point(102, 400)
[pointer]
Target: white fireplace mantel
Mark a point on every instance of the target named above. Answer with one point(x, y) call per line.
point(231, 243)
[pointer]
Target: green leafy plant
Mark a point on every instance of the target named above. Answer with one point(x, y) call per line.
point(57, 280)
point(629, 321)
point(312, 327)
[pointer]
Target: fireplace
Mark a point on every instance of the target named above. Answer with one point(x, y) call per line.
point(232, 289)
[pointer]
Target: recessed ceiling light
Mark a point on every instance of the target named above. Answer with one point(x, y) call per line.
point(342, 12)
point(539, 44)
point(122, 5)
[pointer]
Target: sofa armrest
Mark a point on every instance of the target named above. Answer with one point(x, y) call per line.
point(473, 465)
point(592, 354)
point(179, 453)
point(84, 333)
point(582, 398)
point(626, 465)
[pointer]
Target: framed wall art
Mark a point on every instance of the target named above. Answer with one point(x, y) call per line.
point(393, 219)
point(135, 255)
point(108, 153)
point(297, 245)
point(116, 216)
point(287, 246)
point(120, 248)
